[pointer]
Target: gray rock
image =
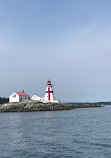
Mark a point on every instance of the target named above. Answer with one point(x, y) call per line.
point(38, 106)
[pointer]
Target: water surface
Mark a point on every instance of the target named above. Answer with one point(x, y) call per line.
point(78, 133)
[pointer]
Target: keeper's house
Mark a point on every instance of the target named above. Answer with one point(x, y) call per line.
point(18, 97)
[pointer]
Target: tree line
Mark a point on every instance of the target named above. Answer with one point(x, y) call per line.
point(4, 100)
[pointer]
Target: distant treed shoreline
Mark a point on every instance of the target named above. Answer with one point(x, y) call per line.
point(4, 100)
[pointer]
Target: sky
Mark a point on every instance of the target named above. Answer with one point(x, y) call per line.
point(66, 41)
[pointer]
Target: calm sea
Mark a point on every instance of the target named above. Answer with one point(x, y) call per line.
point(79, 133)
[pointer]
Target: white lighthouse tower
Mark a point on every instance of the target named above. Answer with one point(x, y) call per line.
point(49, 96)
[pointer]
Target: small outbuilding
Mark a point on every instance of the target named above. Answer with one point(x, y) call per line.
point(18, 97)
point(36, 98)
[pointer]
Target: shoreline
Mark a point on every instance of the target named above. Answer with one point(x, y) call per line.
point(27, 106)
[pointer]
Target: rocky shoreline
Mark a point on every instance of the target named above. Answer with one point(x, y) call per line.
point(27, 106)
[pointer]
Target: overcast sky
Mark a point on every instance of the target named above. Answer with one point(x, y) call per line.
point(68, 41)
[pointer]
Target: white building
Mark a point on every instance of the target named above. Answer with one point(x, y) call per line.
point(36, 98)
point(18, 97)
point(49, 96)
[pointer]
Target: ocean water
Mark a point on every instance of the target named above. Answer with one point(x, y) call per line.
point(78, 133)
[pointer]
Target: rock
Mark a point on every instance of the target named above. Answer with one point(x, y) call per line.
point(38, 106)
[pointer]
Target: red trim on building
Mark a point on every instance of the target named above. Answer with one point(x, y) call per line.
point(48, 93)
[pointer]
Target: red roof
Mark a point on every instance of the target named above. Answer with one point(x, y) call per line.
point(48, 81)
point(21, 93)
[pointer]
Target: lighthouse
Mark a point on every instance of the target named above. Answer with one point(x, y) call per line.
point(49, 96)
point(49, 92)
